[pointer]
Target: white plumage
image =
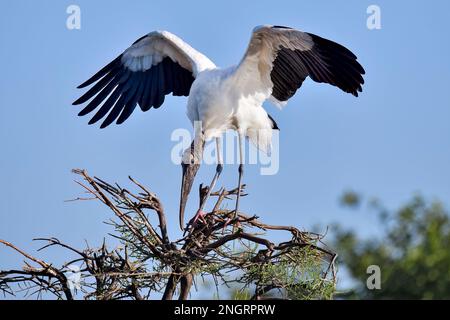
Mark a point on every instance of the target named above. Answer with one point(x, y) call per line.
point(277, 61)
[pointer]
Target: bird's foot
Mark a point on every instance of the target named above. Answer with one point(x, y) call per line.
point(199, 216)
point(236, 224)
point(227, 222)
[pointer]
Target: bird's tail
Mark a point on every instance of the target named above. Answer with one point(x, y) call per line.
point(261, 139)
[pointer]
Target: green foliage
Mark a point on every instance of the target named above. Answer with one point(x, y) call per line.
point(350, 199)
point(298, 274)
point(412, 252)
point(240, 294)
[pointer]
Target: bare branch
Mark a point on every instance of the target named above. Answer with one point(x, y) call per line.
point(147, 261)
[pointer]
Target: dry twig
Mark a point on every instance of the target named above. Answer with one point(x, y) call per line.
point(148, 262)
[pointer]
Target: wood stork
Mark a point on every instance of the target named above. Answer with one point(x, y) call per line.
point(277, 61)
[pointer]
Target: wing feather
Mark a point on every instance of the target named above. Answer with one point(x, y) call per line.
point(155, 65)
point(282, 58)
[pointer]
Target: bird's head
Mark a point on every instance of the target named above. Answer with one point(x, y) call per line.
point(190, 164)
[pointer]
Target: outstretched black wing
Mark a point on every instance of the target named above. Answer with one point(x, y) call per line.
point(154, 66)
point(285, 57)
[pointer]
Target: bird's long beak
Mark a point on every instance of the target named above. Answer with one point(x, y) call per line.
point(189, 172)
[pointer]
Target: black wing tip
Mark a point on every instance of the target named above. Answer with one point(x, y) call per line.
point(89, 81)
point(139, 39)
point(363, 71)
point(348, 58)
point(91, 122)
point(274, 123)
point(355, 92)
point(361, 82)
point(94, 121)
point(102, 72)
point(77, 102)
point(104, 126)
point(82, 114)
point(124, 91)
point(281, 27)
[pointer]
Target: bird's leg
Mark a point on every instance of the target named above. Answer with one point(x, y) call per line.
point(241, 172)
point(200, 213)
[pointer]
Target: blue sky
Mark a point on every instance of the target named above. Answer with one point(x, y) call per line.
point(390, 142)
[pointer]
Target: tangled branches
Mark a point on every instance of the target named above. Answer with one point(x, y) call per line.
point(148, 264)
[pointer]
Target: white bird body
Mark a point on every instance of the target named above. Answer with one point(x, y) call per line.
point(277, 61)
point(216, 101)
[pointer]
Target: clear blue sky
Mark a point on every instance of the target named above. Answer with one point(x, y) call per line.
point(389, 143)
